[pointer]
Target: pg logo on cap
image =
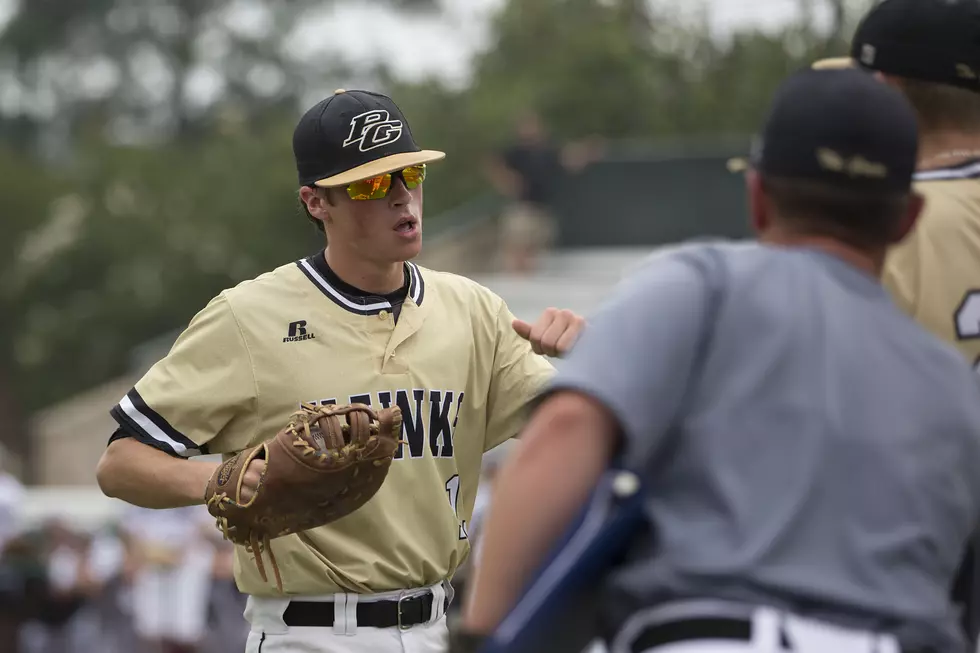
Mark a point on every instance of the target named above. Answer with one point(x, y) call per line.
point(373, 129)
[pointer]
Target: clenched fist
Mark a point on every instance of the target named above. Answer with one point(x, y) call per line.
point(554, 333)
point(250, 483)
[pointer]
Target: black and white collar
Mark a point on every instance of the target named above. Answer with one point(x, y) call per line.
point(365, 304)
point(967, 170)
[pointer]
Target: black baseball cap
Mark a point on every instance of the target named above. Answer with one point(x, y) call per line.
point(354, 135)
point(929, 40)
point(842, 128)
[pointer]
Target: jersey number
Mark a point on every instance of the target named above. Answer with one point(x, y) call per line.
point(967, 319)
point(452, 489)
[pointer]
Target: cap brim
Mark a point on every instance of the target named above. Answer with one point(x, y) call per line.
point(834, 63)
point(381, 166)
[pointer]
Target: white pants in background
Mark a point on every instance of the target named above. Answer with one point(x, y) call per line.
point(172, 602)
point(769, 628)
point(269, 634)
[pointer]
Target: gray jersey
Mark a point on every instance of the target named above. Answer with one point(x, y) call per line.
point(808, 445)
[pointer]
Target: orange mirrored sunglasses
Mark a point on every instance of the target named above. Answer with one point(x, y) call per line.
point(376, 188)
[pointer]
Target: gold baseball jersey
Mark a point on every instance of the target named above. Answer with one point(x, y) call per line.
point(934, 275)
point(451, 361)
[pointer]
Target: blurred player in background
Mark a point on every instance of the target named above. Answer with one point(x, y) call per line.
point(173, 559)
point(530, 173)
point(813, 488)
point(930, 51)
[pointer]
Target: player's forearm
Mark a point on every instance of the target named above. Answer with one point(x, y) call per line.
point(536, 496)
point(143, 476)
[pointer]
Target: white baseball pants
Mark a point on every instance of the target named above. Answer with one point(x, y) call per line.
point(269, 634)
point(771, 629)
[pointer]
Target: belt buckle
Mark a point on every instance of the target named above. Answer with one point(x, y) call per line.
point(399, 608)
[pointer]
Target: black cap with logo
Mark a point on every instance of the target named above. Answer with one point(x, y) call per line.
point(930, 40)
point(354, 135)
point(841, 128)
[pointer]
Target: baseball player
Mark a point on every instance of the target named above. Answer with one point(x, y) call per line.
point(355, 323)
point(927, 49)
point(809, 451)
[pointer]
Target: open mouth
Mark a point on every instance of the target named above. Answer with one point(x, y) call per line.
point(406, 225)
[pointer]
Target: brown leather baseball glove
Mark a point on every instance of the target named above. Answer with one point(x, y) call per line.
point(326, 463)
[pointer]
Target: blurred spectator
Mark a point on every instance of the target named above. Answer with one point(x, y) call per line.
point(173, 558)
point(61, 553)
point(528, 173)
point(11, 500)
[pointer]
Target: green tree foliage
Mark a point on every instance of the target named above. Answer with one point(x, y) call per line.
point(115, 241)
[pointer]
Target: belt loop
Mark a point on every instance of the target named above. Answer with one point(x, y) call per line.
point(351, 615)
point(340, 614)
point(450, 593)
point(886, 643)
point(766, 626)
point(438, 603)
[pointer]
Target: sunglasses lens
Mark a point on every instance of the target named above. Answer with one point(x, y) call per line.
point(413, 175)
point(370, 189)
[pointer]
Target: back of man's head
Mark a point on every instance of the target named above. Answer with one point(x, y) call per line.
point(928, 49)
point(835, 158)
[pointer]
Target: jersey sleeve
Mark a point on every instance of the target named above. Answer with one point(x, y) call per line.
point(518, 376)
point(638, 351)
point(201, 397)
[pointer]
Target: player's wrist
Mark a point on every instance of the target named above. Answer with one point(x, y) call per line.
point(198, 480)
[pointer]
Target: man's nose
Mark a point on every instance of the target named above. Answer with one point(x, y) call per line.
point(398, 194)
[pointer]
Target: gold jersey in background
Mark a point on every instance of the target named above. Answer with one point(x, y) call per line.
point(934, 275)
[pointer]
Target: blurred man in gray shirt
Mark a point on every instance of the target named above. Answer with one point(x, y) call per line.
point(811, 454)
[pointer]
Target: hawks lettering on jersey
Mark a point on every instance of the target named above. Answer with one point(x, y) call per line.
point(425, 418)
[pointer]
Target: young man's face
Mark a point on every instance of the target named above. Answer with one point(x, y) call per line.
point(386, 230)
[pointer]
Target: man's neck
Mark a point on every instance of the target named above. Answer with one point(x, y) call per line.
point(369, 276)
point(942, 149)
point(869, 262)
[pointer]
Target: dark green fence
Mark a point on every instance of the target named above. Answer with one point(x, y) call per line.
point(651, 196)
point(637, 195)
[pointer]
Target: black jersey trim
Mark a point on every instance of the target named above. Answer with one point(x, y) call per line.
point(416, 290)
point(135, 417)
point(967, 170)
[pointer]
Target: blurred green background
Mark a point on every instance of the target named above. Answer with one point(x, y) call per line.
point(145, 159)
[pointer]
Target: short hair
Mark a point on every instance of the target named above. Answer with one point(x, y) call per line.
point(862, 219)
point(941, 106)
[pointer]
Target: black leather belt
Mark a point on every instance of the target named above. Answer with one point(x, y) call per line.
point(682, 630)
point(403, 613)
point(724, 628)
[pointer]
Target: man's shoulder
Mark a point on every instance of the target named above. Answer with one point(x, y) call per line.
point(949, 203)
point(709, 257)
point(279, 284)
point(950, 369)
point(452, 288)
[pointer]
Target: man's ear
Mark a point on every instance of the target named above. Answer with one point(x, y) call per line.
point(916, 203)
point(759, 212)
point(317, 202)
